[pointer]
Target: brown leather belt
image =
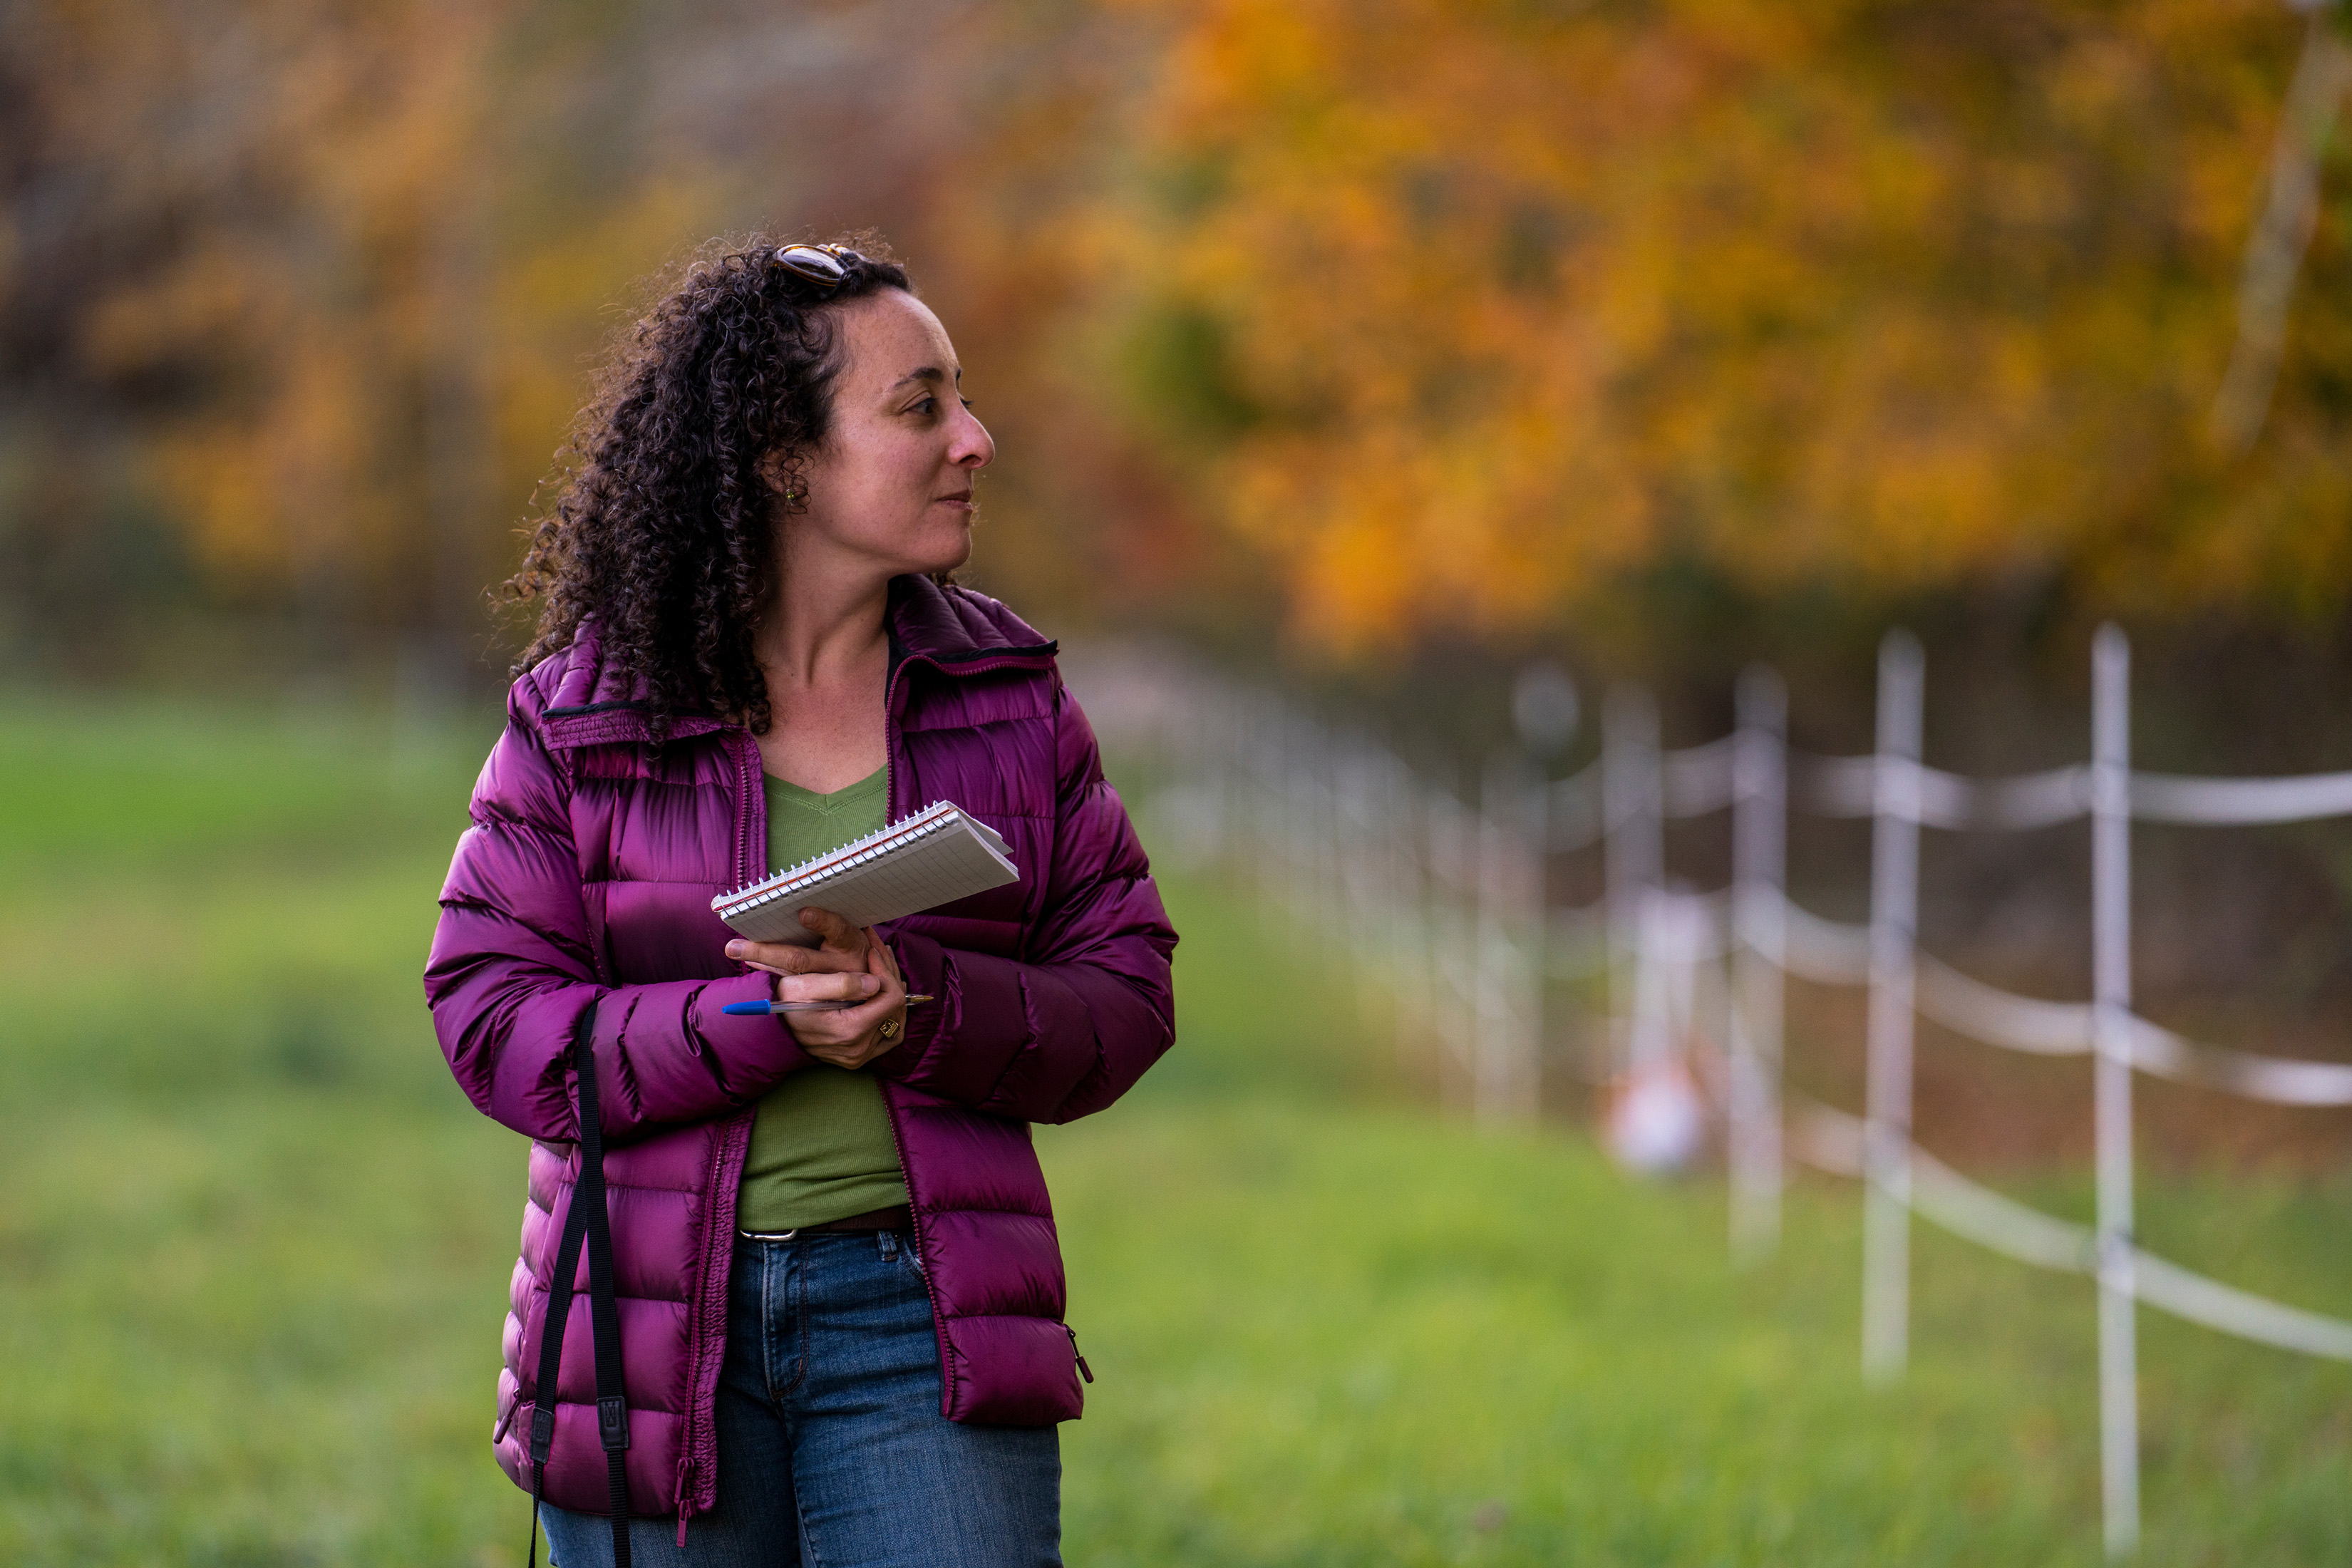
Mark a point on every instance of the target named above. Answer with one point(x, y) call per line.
point(898, 1217)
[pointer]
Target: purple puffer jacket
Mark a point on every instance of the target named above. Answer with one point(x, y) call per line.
point(586, 878)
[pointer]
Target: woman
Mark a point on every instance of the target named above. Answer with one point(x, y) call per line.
point(839, 1292)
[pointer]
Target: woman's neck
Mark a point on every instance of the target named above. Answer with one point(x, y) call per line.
point(824, 625)
point(825, 654)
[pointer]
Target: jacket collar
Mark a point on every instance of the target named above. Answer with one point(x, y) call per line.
point(953, 626)
point(952, 630)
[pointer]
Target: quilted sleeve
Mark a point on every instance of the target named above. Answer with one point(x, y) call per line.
point(513, 968)
point(1069, 1026)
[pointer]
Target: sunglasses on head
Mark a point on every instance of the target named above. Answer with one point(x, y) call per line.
point(826, 265)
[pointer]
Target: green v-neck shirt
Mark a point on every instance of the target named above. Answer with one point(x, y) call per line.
point(821, 1148)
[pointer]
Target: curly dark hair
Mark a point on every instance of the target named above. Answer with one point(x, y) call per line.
point(663, 527)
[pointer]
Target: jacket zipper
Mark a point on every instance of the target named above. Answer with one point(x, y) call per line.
point(711, 1311)
point(932, 1292)
point(708, 1322)
point(889, 1103)
point(897, 1133)
point(719, 1237)
point(889, 680)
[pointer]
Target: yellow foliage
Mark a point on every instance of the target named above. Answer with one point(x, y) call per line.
point(1510, 298)
point(360, 332)
point(1456, 314)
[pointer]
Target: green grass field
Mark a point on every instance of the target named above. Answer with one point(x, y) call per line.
point(254, 1248)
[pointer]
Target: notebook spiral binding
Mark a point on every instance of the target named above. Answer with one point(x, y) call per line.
point(800, 878)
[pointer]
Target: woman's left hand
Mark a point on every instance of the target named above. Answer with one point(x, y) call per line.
point(841, 1036)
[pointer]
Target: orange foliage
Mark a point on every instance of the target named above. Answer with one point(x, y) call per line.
point(1458, 313)
point(1491, 304)
point(324, 281)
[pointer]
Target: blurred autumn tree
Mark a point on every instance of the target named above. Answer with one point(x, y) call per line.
point(1477, 312)
point(297, 298)
point(1392, 320)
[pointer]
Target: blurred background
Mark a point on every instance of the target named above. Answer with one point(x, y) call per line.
point(1354, 358)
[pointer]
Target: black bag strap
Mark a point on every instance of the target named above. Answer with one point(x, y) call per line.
point(587, 1219)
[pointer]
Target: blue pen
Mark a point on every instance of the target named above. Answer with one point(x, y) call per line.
point(750, 1009)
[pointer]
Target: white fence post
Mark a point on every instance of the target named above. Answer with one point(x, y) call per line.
point(1759, 828)
point(1508, 967)
point(1453, 942)
point(1363, 867)
point(1398, 947)
point(1299, 825)
point(1320, 842)
point(2111, 1084)
point(1534, 885)
point(1893, 927)
point(1633, 812)
point(1362, 852)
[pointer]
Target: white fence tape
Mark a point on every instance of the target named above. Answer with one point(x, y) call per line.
point(1850, 786)
point(1703, 778)
point(2279, 1080)
point(1993, 1220)
point(2235, 1311)
point(1832, 1141)
point(1827, 952)
point(1692, 782)
point(1825, 1137)
point(1967, 1005)
point(1830, 953)
point(1833, 786)
point(1448, 900)
point(2168, 797)
point(2031, 800)
point(1699, 780)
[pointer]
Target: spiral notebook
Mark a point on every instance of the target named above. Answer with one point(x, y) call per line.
point(937, 856)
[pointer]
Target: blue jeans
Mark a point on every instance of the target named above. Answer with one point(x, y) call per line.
point(832, 1449)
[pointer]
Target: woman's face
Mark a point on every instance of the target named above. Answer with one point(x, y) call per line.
point(891, 485)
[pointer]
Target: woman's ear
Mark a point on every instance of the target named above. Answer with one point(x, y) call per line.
point(780, 471)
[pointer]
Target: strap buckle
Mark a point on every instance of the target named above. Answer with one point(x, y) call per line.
point(613, 1423)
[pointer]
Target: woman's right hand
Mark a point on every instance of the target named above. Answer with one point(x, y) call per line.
point(849, 1036)
point(837, 970)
